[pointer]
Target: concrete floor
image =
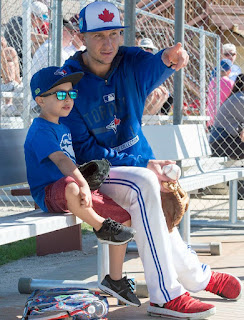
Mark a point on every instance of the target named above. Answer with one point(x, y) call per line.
point(231, 260)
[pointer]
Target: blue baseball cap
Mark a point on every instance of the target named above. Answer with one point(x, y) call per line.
point(225, 64)
point(50, 77)
point(99, 16)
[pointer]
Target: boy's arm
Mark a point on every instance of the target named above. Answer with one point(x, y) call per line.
point(68, 168)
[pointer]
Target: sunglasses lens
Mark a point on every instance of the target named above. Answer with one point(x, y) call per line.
point(61, 95)
point(229, 54)
point(73, 94)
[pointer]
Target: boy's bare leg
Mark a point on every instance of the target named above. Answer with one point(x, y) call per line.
point(87, 214)
point(116, 258)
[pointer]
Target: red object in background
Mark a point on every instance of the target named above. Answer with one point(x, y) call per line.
point(193, 108)
point(44, 28)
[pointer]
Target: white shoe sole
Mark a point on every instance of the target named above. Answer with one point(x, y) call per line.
point(161, 312)
point(115, 295)
point(115, 243)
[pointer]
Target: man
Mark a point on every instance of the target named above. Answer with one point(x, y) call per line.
point(13, 31)
point(147, 45)
point(229, 52)
point(41, 57)
point(106, 123)
point(74, 20)
point(160, 99)
point(40, 24)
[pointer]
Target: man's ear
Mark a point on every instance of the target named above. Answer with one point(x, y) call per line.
point(82, 37)
point(39, 101)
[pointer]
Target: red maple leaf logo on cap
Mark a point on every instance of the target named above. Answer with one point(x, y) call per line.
point(106, 16)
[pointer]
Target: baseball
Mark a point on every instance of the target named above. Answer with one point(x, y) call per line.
point(172, 171)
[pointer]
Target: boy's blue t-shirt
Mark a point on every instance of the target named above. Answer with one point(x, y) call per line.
point(44, 138)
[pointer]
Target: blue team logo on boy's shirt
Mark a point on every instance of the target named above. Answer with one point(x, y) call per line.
point(66, 146)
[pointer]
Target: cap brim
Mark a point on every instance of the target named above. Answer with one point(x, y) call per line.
point(105, 28)
point(147, 47)
point(74, 78)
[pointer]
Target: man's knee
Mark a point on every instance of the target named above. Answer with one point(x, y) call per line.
point(147, 178)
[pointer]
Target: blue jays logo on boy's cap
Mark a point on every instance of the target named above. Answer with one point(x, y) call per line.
point(50, 77)
point(98, 16)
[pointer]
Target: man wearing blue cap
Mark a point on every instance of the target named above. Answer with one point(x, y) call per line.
point(106, 123)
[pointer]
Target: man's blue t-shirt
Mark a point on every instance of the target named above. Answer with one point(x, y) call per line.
point(43, 139)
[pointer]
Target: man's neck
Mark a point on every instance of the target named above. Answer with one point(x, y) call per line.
point(94, 66)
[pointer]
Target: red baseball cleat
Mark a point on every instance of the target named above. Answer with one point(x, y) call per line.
point(225, 285)
point(183, 306)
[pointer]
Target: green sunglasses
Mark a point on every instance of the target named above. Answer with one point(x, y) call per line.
point(62, 95)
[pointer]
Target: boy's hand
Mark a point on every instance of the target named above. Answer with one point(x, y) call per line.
point(86, 198)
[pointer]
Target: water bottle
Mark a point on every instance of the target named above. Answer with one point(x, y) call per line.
point(97, 309)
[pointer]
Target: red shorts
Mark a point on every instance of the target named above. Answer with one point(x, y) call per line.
point(104, 206)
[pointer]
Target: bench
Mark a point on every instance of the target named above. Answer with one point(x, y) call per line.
point(13, 172)
point(183, 142)
point(186, 142)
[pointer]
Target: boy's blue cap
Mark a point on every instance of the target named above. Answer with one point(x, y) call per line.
point(99, 16)
point(225, 64)
point(47, 78)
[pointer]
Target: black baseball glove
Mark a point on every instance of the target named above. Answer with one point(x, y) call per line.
point(95, 172)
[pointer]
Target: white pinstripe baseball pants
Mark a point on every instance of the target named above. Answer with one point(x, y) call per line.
point(170, 266)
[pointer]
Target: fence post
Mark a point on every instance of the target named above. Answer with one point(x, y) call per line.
point(218, 75)
point(178, 76)
point(202, 57)
point(59, 33)
point(130, 14)
point(26, 61)
point(0, 69)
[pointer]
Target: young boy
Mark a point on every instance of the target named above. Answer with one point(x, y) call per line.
point(56, 183)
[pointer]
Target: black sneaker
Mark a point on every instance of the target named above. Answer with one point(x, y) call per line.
point(115, 233)
point(121, 289)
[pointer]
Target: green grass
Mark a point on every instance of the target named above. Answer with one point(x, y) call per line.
point(86, 228)
point(17, 250)
point(26, 248)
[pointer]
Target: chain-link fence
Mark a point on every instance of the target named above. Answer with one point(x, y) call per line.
point(208, 26)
